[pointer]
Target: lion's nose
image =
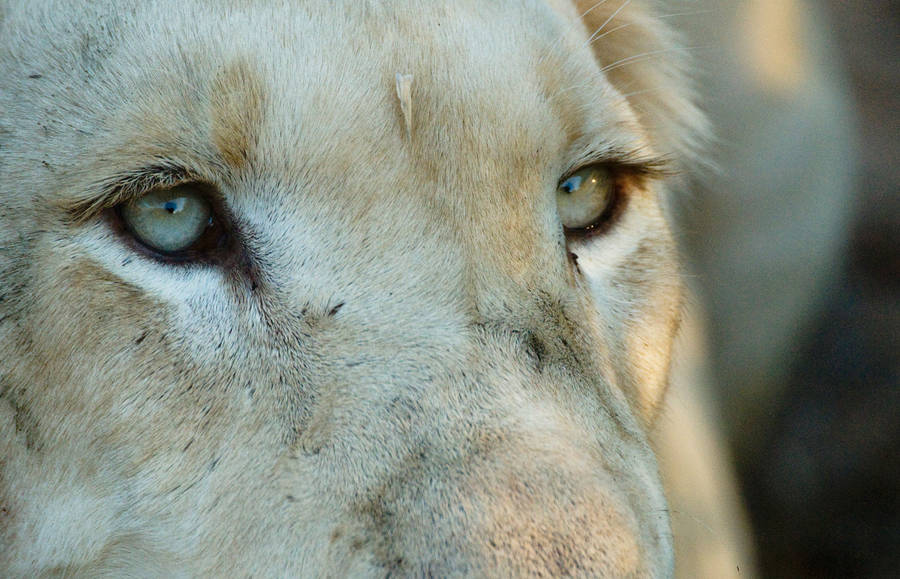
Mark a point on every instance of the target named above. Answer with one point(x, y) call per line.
point(518, 511)
point(554, 529)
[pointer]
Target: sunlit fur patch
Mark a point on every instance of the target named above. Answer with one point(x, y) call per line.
point(774, 44)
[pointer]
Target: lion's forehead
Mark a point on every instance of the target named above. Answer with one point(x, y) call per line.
point(302, 99)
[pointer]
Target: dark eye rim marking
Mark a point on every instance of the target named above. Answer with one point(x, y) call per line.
point(218, 246)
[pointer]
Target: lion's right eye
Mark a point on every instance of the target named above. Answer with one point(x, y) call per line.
point(585, 200)
point(171, 221)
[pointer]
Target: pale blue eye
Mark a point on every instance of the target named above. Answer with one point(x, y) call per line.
point(174, 205)
point(583, 198)
point(168, 220)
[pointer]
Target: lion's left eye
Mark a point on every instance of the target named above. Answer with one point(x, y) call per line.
point(585, 199)
point(171, 221)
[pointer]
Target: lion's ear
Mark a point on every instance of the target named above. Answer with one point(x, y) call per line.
point(646, 62)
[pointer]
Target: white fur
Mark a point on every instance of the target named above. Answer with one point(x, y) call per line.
point(403, 370)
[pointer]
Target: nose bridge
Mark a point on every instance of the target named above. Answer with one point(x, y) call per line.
point(383, 252)
point(466, 453)
point(494, 475)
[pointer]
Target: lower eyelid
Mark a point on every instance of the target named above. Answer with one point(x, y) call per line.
point(219, 250)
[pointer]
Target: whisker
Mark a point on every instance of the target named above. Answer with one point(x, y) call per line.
point(646, 56)
point(627, 24)
point(598, 34)
point(691, 517)
point(610, 31)
point(556, 44)
point(688, 13)
point(591, 9)
point(640, 92)
point(623, 62)
point(608, 20)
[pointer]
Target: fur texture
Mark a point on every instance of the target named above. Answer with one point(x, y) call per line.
point(403, 366)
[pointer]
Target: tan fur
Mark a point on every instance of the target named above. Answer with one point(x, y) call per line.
point(400, 369)
point(237, 109)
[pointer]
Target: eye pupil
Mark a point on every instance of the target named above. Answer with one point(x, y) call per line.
point(173, 205)
point(571, 184)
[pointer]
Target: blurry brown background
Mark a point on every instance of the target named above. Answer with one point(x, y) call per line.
point(823, 489)
point(796, 255)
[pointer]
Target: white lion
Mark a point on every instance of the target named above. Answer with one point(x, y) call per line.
point(336, 288)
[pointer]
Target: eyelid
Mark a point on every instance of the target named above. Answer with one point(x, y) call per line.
point(618, 163)
point(129, 185)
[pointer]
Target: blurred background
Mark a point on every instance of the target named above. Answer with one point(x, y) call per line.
point(796, 261)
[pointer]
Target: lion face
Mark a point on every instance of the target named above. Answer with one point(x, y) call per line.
point(268, 308)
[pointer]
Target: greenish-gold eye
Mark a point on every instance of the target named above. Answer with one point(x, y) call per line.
point(585, 199)
point(172, 220)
